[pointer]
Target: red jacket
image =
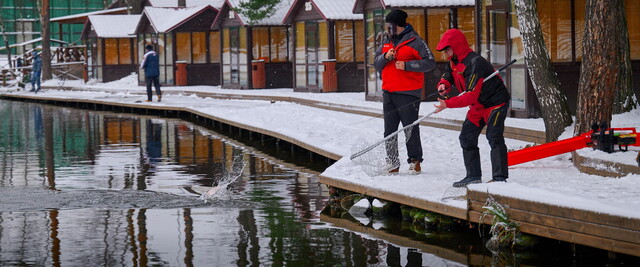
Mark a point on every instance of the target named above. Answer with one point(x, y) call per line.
point(467, 71)
point(418, 59)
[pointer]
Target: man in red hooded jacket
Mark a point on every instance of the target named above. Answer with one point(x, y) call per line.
point(402, 61)
point(488, 104)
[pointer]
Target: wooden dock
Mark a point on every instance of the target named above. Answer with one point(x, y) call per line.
point(603, 231)
point(584, 227)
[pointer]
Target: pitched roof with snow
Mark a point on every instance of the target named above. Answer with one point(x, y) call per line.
point(165, 19)
point(336, 10)
point(114, 26)
point(358, 7)
point(275, 19)
point(427, 3)
point(188, 3)
point(327, 9)
point(82, 16)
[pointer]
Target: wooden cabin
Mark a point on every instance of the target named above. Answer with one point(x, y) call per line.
point(255, 54)
point(182, 36)
point(562, 23)
point(430, 19)
point(111, 46)
point(329, 46)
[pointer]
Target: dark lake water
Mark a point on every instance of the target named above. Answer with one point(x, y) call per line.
point(92, 188)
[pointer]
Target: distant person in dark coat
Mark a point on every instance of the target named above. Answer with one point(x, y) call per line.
point(151, 66)
point(36, 69)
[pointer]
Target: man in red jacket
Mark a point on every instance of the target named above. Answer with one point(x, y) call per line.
point(488, 104)
point(402, 61)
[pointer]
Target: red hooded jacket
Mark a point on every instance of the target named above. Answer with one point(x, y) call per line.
point(467, 70)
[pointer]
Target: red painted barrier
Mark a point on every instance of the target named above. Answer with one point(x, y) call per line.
point(548, 149)
point(625, 137)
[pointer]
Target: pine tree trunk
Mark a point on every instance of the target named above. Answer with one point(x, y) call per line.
point(625, 100)
point(46, 41)
point(600, 64)
point(553, 103)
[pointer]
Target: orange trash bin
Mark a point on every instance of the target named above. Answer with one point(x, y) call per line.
point(329, 76)
point(181, 73)
point(258, 79)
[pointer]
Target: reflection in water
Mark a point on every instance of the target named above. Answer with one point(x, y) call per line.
point(85, 188)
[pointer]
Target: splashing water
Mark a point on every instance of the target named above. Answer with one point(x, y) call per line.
point(220, 191)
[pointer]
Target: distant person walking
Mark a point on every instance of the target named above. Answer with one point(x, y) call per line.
point(402, 60)
point(151, 66)
point(36, 69)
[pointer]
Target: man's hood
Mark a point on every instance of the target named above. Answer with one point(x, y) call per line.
point(455, 39)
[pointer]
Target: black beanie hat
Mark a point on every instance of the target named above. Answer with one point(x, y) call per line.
point(397, 17)
point(149, 47)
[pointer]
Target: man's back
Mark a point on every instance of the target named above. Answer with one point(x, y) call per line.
point(151, 64)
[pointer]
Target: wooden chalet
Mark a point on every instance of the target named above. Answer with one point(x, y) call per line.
point(429, 18)
point(183, 35)
point(111, 46)
point(329, 46)
point(251, 46)
point(562, 23)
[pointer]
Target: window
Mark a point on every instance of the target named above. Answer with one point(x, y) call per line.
point(344, 41)
point(260, 37)
point(466, 24)
point(416, 19)
point(632, 8)
point(124, 48)
point(226, 56)
point(323, 41)
point(183, 46)
point(359, 41)
point(279, 51)
point(301, 70)
point(111, 51)
point(214, 46)
point(555, 21)
point(438, 22)
point(579, 6)
point(198, 47)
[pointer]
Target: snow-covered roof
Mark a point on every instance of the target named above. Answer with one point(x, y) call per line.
point(188, 3)
point(328, 9)
point(114, 26)
point(358, 7)
point(275, 19)
point(120, 10)
point(336, 10)
point(427, 3)
point(165, 19)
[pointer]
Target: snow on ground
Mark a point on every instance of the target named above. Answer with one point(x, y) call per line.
point(552, 180)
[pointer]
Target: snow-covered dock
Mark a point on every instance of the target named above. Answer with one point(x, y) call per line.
point(549, 197)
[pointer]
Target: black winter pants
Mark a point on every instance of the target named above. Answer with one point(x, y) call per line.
point(156, 83)
point(401, 108)
point(495, 135)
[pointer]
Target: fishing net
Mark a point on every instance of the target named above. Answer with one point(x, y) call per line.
point(379, 158)
point(452, 193)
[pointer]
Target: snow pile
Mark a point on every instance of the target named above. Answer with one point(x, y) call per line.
point(128, 81)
